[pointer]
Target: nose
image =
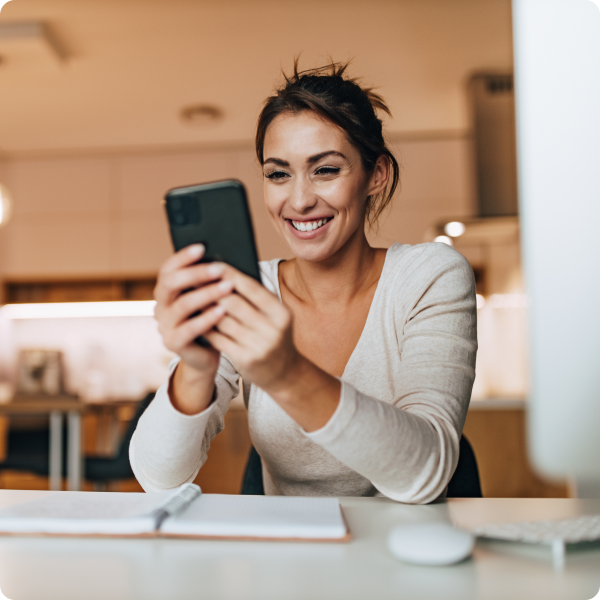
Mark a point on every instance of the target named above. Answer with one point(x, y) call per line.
point(302, 198)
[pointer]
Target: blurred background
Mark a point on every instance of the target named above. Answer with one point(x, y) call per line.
point(106, 104)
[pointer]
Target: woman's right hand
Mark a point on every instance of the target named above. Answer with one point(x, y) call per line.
point(193, 384)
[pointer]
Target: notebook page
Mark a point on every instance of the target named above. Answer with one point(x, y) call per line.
point(85, 513)
point(259, 516)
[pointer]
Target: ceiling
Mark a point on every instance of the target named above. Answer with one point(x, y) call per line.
point(131, 65)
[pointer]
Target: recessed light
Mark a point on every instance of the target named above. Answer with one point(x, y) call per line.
point(201, 114)
point(454, 228)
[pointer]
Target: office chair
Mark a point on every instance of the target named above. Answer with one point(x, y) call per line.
point(102, 470)
point(28, 451)
point(463, 484)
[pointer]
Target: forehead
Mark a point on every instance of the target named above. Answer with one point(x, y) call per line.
point(303, 134)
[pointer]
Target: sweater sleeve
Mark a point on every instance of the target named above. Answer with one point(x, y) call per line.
point(408, 448)
point(168, 448)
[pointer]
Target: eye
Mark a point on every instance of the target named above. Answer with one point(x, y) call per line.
point(327, 171)
point(276, 175)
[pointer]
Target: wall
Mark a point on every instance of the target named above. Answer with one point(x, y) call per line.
point(102, 214)
point(3, 234)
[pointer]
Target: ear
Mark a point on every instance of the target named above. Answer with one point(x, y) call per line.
point(380, 176)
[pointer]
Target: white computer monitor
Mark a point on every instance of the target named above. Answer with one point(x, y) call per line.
point(557, 87)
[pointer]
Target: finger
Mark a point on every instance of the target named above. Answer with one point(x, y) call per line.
point(184, 335)
point(224, 344)
point(238, 307)
point(185, 256)
point(194, 301)
point(236, 331)
point(265, 301)
point(173, 283)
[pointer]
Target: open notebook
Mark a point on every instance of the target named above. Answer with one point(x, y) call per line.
point(184, 512)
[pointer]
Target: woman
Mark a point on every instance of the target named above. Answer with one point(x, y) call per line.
point(357, 362)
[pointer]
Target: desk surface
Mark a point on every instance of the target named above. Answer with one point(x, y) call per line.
point(41, 405)
point(63, 568)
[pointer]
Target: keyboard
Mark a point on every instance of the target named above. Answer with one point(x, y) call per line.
point(567, 531)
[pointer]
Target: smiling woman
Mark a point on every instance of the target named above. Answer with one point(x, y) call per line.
point(357, 362)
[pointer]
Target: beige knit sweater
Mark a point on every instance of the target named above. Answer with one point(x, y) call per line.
point(404, 399)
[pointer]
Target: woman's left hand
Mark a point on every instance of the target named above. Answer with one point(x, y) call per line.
point(256, 333)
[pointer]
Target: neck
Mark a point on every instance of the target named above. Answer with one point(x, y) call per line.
point(340, 278)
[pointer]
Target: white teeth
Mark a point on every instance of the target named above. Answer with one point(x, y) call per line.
point(308, 225)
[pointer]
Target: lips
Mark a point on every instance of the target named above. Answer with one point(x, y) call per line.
point(308, 229)
point(309, 225)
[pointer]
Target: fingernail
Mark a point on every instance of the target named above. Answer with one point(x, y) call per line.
point(216, 269)
point(225, 286)
point(219, 310)
point(195, 250)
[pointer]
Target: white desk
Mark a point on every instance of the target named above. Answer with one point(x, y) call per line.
point(63, 568)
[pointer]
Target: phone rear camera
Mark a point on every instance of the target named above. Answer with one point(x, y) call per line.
point(184, 211)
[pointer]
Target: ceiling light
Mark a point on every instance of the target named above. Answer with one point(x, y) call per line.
point(201, 114)
point(5, 205)
point(454, 228)
point(444, 239)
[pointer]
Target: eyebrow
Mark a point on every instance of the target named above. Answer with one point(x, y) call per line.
point(310, 160)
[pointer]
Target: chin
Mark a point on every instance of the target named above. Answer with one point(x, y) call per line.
point(311, 252)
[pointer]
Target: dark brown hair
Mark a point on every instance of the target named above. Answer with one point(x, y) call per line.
point(341, 100)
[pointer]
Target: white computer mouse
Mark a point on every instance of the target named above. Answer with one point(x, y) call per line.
point(433, 543)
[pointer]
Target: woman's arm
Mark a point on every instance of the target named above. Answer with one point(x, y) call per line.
point(169, 447)
point(170, 443)
point(256, 334)
point(408, 449)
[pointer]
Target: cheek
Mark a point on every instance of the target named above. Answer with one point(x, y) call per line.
point(346, 196)
point(274, 200)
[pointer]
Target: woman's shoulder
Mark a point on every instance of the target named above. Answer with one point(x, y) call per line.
point(423, 263)
point(433, 254)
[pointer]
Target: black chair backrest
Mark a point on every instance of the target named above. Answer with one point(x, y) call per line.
point(123, 450)
point(463, 484)
point(465, 481)
point(252, 484)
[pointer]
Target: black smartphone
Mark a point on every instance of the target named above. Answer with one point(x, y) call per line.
point(216, 215)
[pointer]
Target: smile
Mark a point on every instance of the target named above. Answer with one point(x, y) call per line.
point(310, 225)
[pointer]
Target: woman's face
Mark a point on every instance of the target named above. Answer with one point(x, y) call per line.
point(315, 185)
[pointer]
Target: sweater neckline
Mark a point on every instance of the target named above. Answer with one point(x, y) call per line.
point(373, 302)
